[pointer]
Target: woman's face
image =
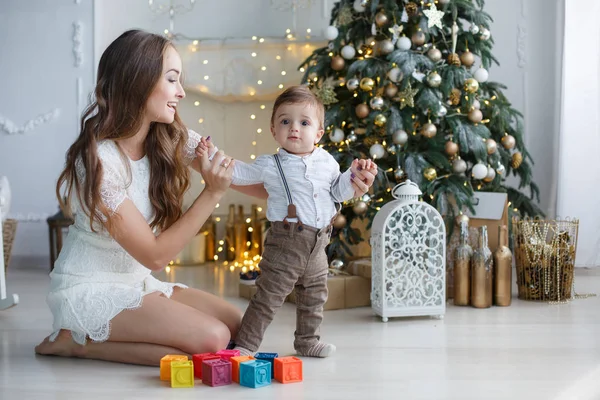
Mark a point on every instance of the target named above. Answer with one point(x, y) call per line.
point(162, 103)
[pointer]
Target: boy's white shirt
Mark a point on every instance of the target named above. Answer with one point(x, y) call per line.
point(315, 183)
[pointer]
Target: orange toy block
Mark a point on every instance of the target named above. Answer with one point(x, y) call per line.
point(235, 366)
point(182, 374)
point(288, 369)
point(165, 365)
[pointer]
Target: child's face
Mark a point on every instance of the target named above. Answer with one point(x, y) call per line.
point(296, 128)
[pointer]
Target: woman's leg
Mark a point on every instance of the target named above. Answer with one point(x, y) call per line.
point(169, 325)
point(212, 305)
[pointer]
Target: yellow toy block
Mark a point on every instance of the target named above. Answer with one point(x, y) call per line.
point(165, 365)
point(182, 374)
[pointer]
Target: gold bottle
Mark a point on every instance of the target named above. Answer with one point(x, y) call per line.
point(462, 268)
point(481, 272)
point(230, 234)
point(210, 232)
point(502, 270)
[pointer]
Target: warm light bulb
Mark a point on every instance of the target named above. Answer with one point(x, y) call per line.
point(217, 206)
point(280, 86)
point(262, 106)
point(252, 156)
point(253, 54)
point(205, 62)
point(254, 38)
point(252, 116)
point(205, 77)
point(196, 103)
point(283, 73)
point(218, 219)
point(195, 42)
point(259, 130)
point(201, 120)
point(261, 40)
point(168, 269)
point(259, 82)
point(263, 68)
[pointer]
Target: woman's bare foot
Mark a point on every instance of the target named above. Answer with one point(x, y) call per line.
point(63, 346)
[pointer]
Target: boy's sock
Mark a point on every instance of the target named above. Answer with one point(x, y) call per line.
point(243, 351)
point(320, 350)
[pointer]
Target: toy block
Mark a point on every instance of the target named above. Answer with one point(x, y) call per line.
point(216, 372)
point(268, 357)
point(235, 366)
point(165, 365)
point(288, 369)
point(255, 373)
point(227, 354)
point(182, 374)
point(198, 358)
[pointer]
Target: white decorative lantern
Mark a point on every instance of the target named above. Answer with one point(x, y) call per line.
point(408, 241)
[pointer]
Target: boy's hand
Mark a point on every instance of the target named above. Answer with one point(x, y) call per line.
point(207, 146)
point(363, 175)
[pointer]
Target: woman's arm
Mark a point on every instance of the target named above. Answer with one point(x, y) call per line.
point(132, 232)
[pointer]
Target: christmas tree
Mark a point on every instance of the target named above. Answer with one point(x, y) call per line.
point(406, 83)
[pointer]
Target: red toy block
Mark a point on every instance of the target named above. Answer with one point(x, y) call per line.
point(198, 358)
point(288, 369)
point(216, 372)
point(235, 366)
point(227, 354)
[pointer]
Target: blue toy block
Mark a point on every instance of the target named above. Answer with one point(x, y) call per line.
point(255, 373)
point(270, 357)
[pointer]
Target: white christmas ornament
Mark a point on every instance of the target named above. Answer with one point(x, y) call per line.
point(348, 52)
point(377, 151)
point(331, 32)
point(442, 111)
point(395, 74)
point(476, 104)
point(408, 242)
point(337, 135)
point(485, 34)
point(400, 137)
point(480, 171)
point(360, 5)
point(474, 29)
point(481, 75)
point(403, 43)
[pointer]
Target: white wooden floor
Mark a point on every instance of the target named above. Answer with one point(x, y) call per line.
point(527, 351)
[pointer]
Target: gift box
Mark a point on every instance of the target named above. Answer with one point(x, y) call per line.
point(360, 267)
point(345, 291)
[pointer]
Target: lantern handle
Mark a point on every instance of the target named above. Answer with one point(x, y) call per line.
point(405, 188)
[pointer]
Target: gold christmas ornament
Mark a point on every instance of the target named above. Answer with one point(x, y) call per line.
point(418, 38)
point(339, 222)
point(386, 46)
point(467, 59)
point(429, 130)
point(360, 207)
point(508, 141)
point(430, 173)
point(460, 218)
point(475, 116)
point(367, 84)
point(407, 96)
point(454, 59)
point(491, 174)
point(380, 120)
point(434, 54)
point(517, 159)
point(391, 90)
point(398, 174)
point(412, 9)
point(491, 146)
point(337, 63)
point(455, 97)
point(381, 19)
point(471, 85)
point(451, 148)
point(362, 111)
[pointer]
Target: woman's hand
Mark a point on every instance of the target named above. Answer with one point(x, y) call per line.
point(217, 174)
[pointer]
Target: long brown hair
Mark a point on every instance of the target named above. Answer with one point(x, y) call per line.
point(127, 74)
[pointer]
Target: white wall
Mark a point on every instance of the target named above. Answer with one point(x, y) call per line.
point(529, 65)
point(39, 75)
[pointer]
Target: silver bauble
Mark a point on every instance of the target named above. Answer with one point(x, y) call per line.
point(434, 54)
point(442, 111)
point(336, 264)
point(400, 137)
point(352, 84)
point(376, 103)
point(474, 29)
point(485, 34)
point(352, 137)
point(386, 46)
point(459, 166)
point(360, 207)
point(434, 79)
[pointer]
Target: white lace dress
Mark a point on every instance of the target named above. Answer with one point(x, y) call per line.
point(94, 278)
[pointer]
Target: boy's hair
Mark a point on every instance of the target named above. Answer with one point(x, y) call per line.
point(299, 94)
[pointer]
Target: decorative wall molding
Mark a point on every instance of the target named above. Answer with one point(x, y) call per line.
point(77, 42)
point(10, 128)
point(522, 44)
point(29, 217)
